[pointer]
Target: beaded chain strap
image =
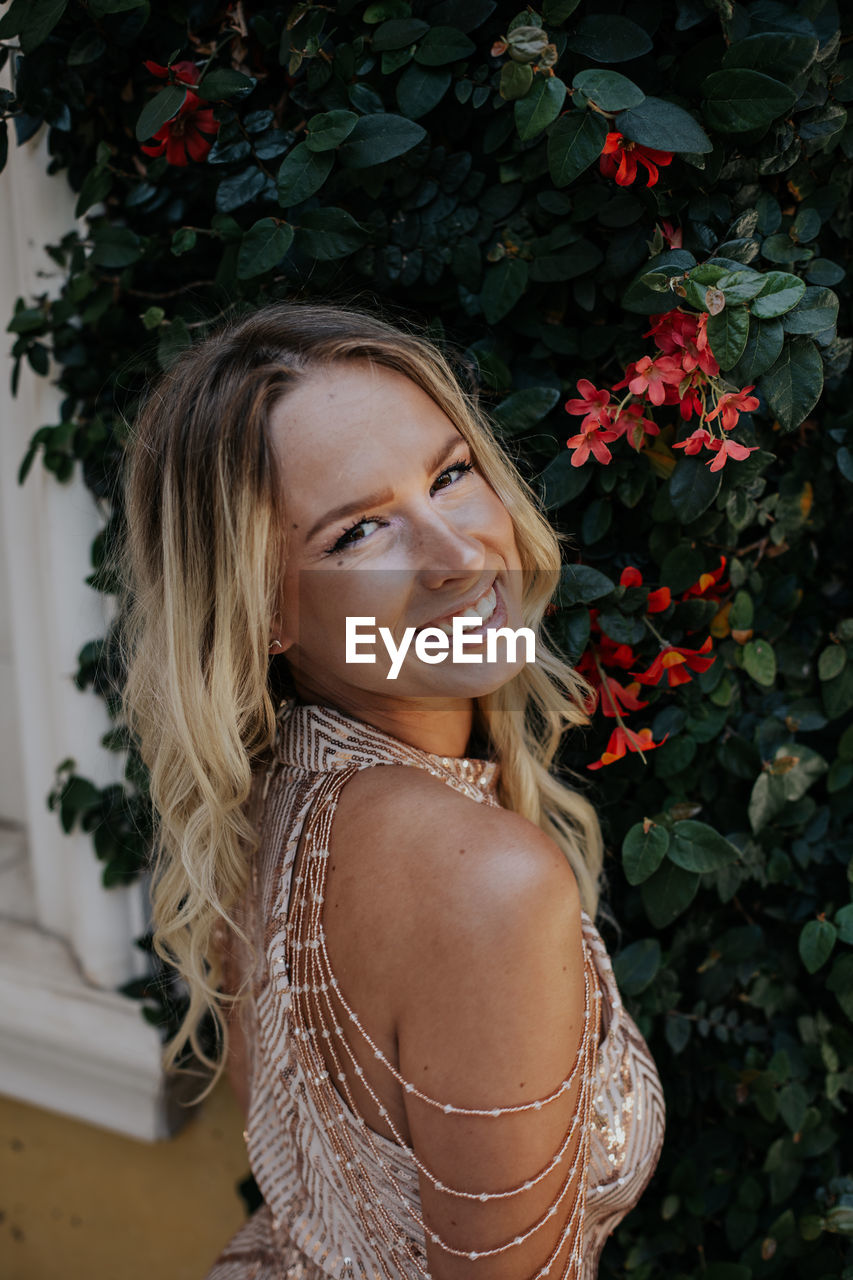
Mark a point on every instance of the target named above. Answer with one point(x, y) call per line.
point(313, 1015)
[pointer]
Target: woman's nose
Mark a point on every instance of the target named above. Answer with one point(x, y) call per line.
point(448, 548)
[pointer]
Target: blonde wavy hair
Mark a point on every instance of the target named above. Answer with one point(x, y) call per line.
point(200, 568)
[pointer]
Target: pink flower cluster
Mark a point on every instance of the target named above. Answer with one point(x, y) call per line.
point(683, 373)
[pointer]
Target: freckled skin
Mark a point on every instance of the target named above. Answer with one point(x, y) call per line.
point(437, 543)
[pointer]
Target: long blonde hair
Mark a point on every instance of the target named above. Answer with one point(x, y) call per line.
point(200, 568)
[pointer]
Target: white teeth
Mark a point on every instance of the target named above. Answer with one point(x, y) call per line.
point(481, 610)
point(486, 606)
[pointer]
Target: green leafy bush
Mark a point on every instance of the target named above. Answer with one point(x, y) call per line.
point(651, 200)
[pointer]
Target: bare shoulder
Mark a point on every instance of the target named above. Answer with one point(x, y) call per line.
point(446, 882)
point(418, 831)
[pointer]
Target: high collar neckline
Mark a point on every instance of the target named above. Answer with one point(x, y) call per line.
point(319, 737)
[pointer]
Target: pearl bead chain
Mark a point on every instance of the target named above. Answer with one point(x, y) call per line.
point(313, 978)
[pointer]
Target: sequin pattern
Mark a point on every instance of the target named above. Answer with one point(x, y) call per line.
point(341, 1199)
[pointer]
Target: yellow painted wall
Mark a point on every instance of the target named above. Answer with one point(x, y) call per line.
point(79, 1203)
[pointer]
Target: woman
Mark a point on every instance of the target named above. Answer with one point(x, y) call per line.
point(438, 1074)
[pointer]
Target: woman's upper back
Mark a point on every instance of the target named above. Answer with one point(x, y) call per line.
point(400, 984)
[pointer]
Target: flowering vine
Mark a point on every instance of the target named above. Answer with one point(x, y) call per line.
point(610, 667)
point(684, 372)
point(189, 135)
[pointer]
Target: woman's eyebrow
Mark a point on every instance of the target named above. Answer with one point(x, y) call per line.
point(386, 495)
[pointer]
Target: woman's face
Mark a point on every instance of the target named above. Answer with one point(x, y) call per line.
point(390, 519)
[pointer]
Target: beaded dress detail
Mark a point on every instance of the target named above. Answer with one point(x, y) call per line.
point(342, 1200)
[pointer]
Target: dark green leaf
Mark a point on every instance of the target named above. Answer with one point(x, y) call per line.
point(419, 89)
point(760, 661)
point(840, 982)
point(668, 893)
point(560, 482)
point(398, 33)
point(378, 138)
point(776, 52)
point(523, 409)
point(581, 584)
point(302, 173)
point(698, 847)
point(540, 107)
point(162, 107)
point(326, 234)
point(38, 20)
point(792, 385)
point(781, 293)
point(681, 567)
point(664, 126)
point(87, 47)
point(639, 297)
point(831, 661)
point(643, 851)
point(816, 311)
point(573, 628)
point(727, 335)
point(442, 45)
point(739, 100)
point(636, 966)
point(263, 247)
point(516, 80)
point(574, 143)
point(241, 188)
point(762, 349)
point(693, 487)
point(555, 12)
point(609, 38)
point(115, 247)
point(608, 89)
point(740, 286)
point(225, 83)
point(329, 129)
point(817, 939)
point(96, 187)
point(504, 284)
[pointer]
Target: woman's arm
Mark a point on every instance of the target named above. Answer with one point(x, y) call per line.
point(491, 1014)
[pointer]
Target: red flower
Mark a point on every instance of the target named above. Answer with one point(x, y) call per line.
point(650, 378)
point(677, 663)
point(616, 697)
point(183, 138)
point(697, 441)
point(657, 600)
point(680, 332)
point(673, 236)
point(619, 159)
point(731, 405)
point(593, 405)
point(181, 72)
point(709, 586)
point(623, 739)
point(591, 441)
point(725, 449)
point(634, 426)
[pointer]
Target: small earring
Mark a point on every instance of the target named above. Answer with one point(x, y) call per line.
point(273, 643)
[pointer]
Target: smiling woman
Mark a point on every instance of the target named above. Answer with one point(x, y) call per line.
point(418, 1012)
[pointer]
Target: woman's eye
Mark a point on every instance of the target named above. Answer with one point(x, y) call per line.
point(461, 467)
point(355, 533)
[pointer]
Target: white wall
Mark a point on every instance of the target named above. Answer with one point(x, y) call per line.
point(71, 1042)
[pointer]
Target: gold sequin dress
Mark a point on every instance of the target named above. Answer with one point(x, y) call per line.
point(341, 1199)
